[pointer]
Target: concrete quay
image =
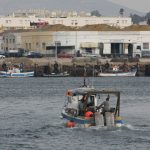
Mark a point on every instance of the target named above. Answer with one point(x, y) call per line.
point(75, 66)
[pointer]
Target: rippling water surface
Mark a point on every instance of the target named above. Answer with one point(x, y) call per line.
point(30, 115)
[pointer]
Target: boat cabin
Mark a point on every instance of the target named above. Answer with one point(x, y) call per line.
point(76, 97)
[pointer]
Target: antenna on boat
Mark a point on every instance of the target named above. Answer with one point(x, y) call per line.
point(93, 75)
point(84, 81)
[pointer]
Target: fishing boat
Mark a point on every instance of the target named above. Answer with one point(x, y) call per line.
point(115, 72)
point(16, 72)
point(91, 114)
point(63, 74)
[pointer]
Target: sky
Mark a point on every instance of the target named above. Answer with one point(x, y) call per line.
point(105, 7)
point(139, 5)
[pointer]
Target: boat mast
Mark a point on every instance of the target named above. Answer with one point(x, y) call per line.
point(56, 50)
point(93, 71)
point(84, 81)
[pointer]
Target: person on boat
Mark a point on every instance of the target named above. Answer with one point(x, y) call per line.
point(56, 67)
point(125, 67)
point(104, 105)
point(4, 66)
point(105, 108)
point(106, 66)
point(82, 105)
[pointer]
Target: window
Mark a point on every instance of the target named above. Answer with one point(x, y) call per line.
point(86, 21)
point(72, 22)
point(43, 46)
point(145, 45)
point(53, 22)
point(29, 45)
point(106, 21)
point(138, 47)
point(88, 50)
point(7, 21)
point(26, 45)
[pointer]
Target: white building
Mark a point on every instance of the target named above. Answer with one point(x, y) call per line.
point(108, 43)
point(1, 41)
point(12, 22)
point(11, 41)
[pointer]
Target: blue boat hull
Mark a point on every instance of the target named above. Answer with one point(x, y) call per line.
point(22, 74)
point(77, 120)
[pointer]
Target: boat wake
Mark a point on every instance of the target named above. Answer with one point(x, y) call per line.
point(124, 127)
point(130, 127)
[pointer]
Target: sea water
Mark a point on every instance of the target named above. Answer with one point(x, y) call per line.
point(30, 119)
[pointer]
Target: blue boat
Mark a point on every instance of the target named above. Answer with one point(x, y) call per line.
point(15, 72)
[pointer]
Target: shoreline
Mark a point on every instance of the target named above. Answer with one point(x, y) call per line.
point(74, 66)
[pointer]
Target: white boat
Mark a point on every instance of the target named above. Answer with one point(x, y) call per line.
point(91, 114)
point(15, 72)
point(115, 74)
point(64, 74)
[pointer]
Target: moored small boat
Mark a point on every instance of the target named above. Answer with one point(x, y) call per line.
point(63, 74)
point(116, 74)
point(15, 72)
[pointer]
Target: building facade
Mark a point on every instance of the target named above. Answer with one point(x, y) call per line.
point(27, 22)
point(1, 41)
point(104, 43)
point(11, 41)
point(36, 40)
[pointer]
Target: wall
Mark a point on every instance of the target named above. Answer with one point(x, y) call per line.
point(11, 41)
point(24, 22)
point(36, 41)
point(107, 37)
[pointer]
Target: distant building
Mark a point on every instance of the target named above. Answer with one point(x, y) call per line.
point(1, 41)
point(31, 20)
point(36, 40)
point(104, 43)
point(12, 40)
point(99, 40)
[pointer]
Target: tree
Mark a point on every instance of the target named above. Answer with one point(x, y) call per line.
point(95, 13)
point(121, 12)
point(148, 21)
point(136, 18)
